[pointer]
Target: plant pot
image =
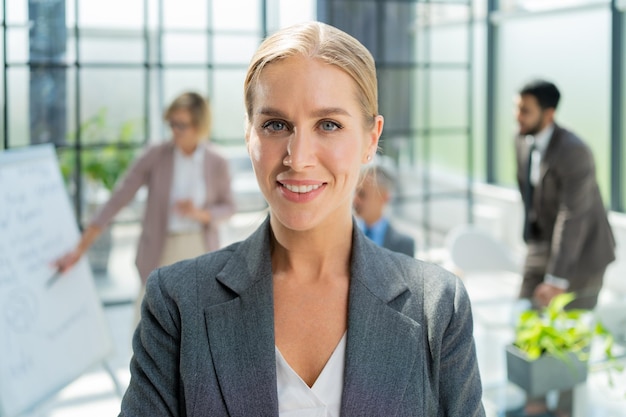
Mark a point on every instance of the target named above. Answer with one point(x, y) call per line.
point(544, 374)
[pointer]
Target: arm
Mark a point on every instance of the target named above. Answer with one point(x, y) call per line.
point(125, 190)
point(576, 199)
point(154, 385)
point(67, 261)
point(135, 178)
point(459, 379)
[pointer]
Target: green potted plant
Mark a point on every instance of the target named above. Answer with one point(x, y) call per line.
point(552, 347)
point(101, 167)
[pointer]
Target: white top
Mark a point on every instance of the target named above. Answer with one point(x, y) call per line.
point(187, 184)
point(323, 399)
point(541, 140)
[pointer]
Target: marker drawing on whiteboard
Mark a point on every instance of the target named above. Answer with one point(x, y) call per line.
point(53, 278)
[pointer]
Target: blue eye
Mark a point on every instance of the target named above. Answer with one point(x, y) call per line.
point(274, 125)
point(329, 126)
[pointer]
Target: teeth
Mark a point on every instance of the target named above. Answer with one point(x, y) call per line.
point(301, 189)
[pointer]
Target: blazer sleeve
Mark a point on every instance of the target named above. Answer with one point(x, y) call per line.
point(137, 175)
point(577, 174)
point(154, 388)
point(224, 206)
point(460, 388)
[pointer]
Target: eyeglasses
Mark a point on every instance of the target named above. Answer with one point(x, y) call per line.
point(180, 126)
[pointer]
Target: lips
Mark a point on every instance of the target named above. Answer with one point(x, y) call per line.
point(301, 191)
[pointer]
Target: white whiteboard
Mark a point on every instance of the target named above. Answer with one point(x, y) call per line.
point(49, 334)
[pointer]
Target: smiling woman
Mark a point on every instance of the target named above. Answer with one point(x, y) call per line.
point(306, 317)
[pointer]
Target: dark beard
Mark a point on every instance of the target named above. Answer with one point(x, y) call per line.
point(536, 128)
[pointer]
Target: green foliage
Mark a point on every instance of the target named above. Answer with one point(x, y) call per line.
point(104, 165)
point(557, 331)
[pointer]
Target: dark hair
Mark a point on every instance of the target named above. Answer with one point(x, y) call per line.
point(545, 92)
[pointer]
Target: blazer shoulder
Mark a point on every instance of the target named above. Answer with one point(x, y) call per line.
point(196, 277)
point(423, 276)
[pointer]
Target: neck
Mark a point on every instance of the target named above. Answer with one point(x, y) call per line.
point(369, 222)
point(312, 255)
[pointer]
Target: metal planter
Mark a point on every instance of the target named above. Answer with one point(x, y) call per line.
point(544, 374)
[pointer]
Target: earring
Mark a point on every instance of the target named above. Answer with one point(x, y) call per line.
point(369, 158)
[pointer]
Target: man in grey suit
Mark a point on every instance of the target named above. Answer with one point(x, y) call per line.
point(370, 201)
point(566, 229)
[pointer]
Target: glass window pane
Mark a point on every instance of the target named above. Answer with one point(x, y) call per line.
point(448, 98)
point(530, 48)
point(291, 12)
point(185, 48)
point(17, 45)
point(242, 15)
point(17, 12)
point(540, 5)
point(234, 49)
point(187, 14)
point(177, 81)
point(112, 48)
point(111, 13)
point(112, 105)
point(228, 107)
point(18, 92)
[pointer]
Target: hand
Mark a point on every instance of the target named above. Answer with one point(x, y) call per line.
point(67, 261)
point(544, 293)
point(185, 208)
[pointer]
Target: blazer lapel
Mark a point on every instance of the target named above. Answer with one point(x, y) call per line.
point(241, 331)
point(551, 153)
point(385, 347)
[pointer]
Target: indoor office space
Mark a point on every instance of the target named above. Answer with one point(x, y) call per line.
point(88, 86)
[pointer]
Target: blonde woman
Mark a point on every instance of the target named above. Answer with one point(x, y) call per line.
point(306, 317)
point(189, 193)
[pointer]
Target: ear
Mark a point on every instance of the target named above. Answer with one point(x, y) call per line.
point(373, 137)
point(386, 196)
point(549, 114)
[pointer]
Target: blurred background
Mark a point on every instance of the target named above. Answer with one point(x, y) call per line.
point(93, 78)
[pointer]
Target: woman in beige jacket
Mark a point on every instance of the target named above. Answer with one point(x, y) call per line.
point(189, 192)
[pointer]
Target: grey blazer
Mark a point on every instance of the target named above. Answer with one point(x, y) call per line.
point(570, 213)
point(399, 242)
point(205, 343)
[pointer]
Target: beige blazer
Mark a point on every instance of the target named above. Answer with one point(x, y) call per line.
point(155, 170)
point(570, 213)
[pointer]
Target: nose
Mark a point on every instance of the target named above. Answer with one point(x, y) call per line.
point(301, 150)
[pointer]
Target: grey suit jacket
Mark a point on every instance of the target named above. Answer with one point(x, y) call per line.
point(571, 217)
point(399, 242)
point(205, 343)
point(154, 168)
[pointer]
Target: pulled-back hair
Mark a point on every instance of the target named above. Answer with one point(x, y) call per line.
point(197, 106)
point(318, 41)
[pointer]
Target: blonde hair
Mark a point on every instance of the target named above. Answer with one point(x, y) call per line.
point(197, 106)
point(326, 43)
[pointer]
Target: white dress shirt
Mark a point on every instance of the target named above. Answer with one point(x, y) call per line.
point(187, 184)
point(541, 140)
point(323, 399)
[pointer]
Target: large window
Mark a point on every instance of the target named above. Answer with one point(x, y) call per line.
point(93, 78)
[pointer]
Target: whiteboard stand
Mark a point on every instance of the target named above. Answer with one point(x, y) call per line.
point(118, 387)
point(50, 334)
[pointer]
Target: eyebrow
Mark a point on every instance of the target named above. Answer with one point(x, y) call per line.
point(325, 112)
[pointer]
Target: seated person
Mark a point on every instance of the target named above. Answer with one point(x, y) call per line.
point(370, 200)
